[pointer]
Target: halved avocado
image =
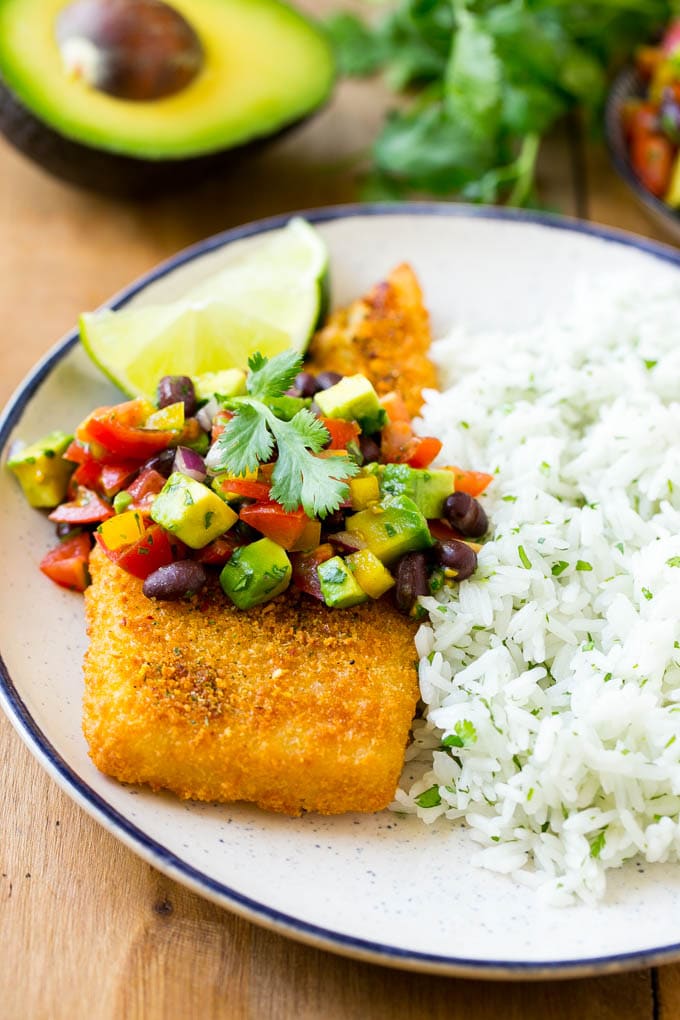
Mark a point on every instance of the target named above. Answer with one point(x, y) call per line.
point(256, 67)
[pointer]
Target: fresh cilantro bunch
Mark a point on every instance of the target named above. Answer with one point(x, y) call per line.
point(485, 80)
point(259, 424)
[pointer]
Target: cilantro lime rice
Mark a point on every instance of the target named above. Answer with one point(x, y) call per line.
point(551, 679)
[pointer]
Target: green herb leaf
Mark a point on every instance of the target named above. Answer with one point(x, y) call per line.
point(464, 735)
point(271, 377)
point(526, 562)
point(429, 798)
point(299, 477)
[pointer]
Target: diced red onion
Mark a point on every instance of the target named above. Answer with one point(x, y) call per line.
point(205, 414)
point(347, 541)
point(190, 463)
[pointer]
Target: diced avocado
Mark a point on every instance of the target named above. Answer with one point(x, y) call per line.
point(427, 487)
point(42, 471)
point(391, 528)
point(373, 577)
point(339, 587)
point(256, 573)
point(354, 399)
point(191, 511)
point(230, 382)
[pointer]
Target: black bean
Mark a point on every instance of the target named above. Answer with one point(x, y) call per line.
point(173, 389)
point(306, 384)
point(162, 462)
point(325, 380)
point(334, 522)
point(455, 555)
point(370, 450)
point(466, 514)
point(183, 577)
point(411, 578)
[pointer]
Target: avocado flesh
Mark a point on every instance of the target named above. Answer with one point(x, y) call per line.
point(266, 68)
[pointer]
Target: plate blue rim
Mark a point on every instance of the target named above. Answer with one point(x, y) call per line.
point(155, 853)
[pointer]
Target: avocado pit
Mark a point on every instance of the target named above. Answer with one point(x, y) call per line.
point(139, 50)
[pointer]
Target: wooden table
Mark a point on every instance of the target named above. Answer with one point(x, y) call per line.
point(87, 930)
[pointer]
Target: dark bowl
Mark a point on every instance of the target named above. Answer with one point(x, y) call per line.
point(629, 84)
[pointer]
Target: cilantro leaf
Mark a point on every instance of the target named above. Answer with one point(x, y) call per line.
point(271, 377)
point(299, 477)
point(464, 735)
point(484, 81)
point(245, 442)
point(264, 419)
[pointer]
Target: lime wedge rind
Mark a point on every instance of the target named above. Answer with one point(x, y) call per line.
point(268, 299)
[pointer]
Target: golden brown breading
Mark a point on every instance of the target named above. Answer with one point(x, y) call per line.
point(385, 336)
point(291, 705)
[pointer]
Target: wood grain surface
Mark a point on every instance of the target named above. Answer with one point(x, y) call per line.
point(87, 930)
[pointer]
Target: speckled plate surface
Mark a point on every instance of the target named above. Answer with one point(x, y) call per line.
point(381, 887)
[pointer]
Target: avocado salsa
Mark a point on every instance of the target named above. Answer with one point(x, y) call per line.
point(282, 478)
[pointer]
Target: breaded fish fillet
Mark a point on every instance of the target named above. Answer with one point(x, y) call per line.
point(290, 705)
point(385, 336)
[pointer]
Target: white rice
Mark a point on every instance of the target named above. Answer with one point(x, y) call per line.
point(557, 666)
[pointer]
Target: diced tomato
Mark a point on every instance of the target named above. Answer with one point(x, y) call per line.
point(77, 452)
point(341, 432)
point(443, 531)
point(219, 551)
point(87, 474)
point(86, 508)
point(145, 488)
point(66, 565)
point(219, 423)
point(115, 477)
point(425, 450)
point(472, 482)
point(395, 408)
point(246, 487)
point(397, 442)
point(153, 550)
point(283, 526)
point(671, 38)
point(651, 156)
point(119, 430)
point(305, 576)
point(639, 117)
point(647, 60)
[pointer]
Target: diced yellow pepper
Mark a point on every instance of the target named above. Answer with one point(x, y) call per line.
point(672, 196)
point(122, 529)
point(167, 419)
point(309, 539)
point(371, 575)
point(363, 490)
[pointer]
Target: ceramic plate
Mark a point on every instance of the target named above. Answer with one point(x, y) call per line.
point(382, 887)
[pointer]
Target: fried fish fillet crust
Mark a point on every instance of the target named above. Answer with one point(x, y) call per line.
point(290, 705)
point(385, 336)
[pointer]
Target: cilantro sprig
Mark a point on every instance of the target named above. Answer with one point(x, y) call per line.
point(299, 478)
point(484, 81)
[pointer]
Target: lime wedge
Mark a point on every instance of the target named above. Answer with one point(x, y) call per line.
point(268, 299)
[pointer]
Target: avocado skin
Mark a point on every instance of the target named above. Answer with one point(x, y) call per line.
point(113, 174)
